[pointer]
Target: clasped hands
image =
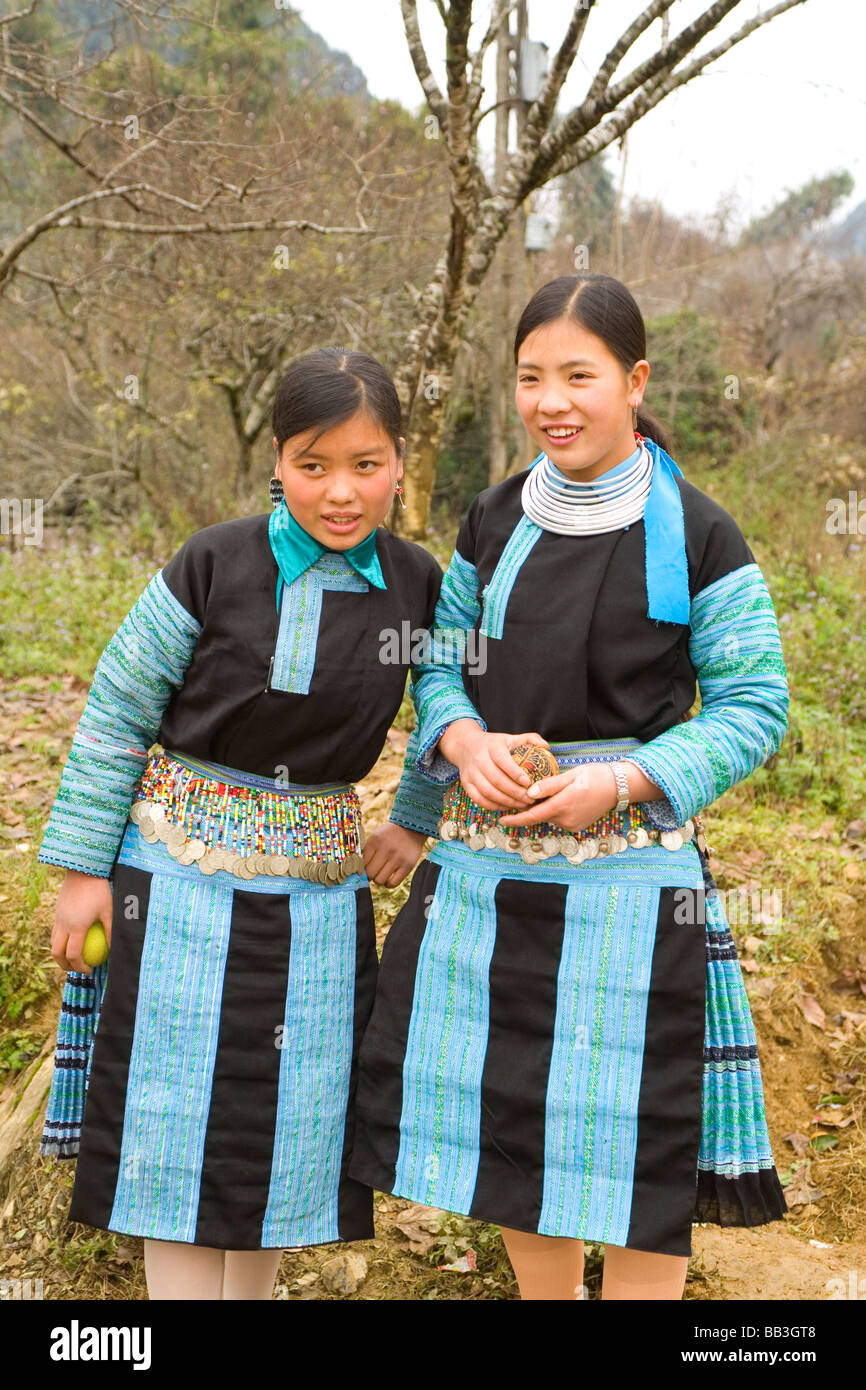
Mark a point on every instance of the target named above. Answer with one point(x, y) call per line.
point(571, 800)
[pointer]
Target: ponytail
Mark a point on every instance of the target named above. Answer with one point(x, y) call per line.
point(653, 429)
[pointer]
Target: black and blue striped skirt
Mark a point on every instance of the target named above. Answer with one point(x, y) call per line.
point(220, 1079)
point(566, 1049)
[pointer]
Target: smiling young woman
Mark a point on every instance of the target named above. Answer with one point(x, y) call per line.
point(571, 393)
point(207, 815)
point(561, 1042)
point(337, 484)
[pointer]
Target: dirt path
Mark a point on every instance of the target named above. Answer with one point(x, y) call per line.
point(772, 1262)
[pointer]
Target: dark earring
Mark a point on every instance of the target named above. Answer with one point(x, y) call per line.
point(277, 493)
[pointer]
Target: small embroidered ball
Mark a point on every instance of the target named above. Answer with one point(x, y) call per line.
point(536, 762)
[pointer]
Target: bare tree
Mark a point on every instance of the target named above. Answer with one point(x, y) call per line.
point(167, 249)
point(156, 168)
point(480, 213)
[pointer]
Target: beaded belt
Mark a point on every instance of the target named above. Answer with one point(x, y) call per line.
point(463, 819)
point(221, 818)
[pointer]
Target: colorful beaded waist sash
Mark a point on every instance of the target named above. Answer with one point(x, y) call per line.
point(221, 818)
point(463, 819)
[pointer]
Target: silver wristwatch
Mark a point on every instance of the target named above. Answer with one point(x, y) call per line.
point(621, 788)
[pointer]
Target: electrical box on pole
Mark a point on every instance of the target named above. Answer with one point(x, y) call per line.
point(539, 232)
point(531, 69)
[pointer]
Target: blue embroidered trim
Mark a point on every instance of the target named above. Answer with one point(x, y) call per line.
point(458, 604)
point(674, 868)
point(736, 651)
point(497, 593)
point(294, 550)
point(300, 614)
point(140, 669)
point(417, 803)
point(593, 1089)
point(440, 1123)
point(316, 1054)
point(437, 686)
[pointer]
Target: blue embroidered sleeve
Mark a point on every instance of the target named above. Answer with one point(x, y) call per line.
point(437, 685)
point(418, 801)
point(142, 666)
point(736, 651)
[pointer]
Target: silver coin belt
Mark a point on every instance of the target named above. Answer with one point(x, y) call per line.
point(478, 828)
point(199, 820)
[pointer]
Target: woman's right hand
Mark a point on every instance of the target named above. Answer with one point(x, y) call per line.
point(489, 774)
point(82, 900)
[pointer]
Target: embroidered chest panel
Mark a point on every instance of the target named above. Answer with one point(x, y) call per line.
point(300, 614)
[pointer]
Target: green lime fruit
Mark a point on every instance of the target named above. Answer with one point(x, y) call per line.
point(95, 945)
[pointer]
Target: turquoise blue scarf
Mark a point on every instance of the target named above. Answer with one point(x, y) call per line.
point(295, 550)
point(667, 571)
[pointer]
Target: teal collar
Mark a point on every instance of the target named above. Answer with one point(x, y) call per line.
point(295, 550)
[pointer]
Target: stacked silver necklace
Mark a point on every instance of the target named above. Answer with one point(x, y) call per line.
point(557, 504)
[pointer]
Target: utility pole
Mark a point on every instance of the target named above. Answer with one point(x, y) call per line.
point(520, 105)
point(500, 299)
point(523, 267)
point(520, 67)
point(532, 231)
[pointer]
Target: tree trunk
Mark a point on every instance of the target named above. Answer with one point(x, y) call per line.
point(424, 437)
point(22, 1111)
point(243, 469)
point(480, 215)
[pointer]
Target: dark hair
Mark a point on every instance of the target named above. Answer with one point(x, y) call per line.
point(603, 306)
point(328, 386)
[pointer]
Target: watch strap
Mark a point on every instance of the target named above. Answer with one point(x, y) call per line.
point(621, 788)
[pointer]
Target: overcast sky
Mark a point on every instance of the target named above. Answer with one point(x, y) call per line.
point(783, 106)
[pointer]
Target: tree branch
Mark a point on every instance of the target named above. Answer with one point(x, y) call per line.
point(435, 99)
point(65, 216)
point(586, 116)
point(264, 224)
point(670, 53)
point(89, 478)
point(575, 136)
point(19, 14)
point(539, 114)
point(501, 10)
point(613, 59)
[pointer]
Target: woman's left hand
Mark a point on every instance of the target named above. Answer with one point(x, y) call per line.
point(571, 800)
point(391, 852)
